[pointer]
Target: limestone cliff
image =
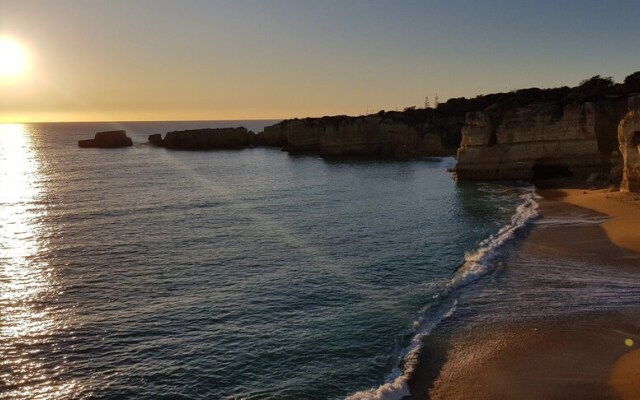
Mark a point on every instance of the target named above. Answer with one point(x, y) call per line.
point(273, 136)
point(372, 135)
point(204, 139)
point(540, 140)
point(629, 138)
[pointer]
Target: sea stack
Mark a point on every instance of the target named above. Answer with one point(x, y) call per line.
point(107, 140)
point(156, 140)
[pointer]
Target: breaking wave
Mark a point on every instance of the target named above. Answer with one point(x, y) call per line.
point(476, 264)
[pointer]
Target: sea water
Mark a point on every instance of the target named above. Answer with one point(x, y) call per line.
point(248, 274)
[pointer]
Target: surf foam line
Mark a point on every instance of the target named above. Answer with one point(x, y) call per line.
point(476, 264)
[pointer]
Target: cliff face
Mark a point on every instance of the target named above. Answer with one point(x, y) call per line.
point(304, 135)
point(204, 139)
point(370, 136)
point(355, 136)
point(274, 136)
point(541, 140)
point(629, 138)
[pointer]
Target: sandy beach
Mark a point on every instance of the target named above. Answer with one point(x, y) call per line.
point(623, 210)
point(579, 356)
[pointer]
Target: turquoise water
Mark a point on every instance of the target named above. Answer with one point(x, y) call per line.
point(147, 273)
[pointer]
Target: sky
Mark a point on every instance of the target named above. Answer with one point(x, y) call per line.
point(270, 59)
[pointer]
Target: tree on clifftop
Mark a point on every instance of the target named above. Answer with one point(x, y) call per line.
point(632, 83)
point(594, 88)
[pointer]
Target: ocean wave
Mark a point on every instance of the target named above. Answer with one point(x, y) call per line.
point(479, 261)
point(476, 264)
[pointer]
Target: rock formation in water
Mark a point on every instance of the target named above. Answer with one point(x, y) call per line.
point(205, 139)
point(156, 140)
point(538, 141)
point(629, 138)
point(107, 140)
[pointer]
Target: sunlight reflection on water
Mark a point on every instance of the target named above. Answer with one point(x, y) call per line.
point(28, 321)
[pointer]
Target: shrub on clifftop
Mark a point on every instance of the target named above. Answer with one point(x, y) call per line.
point(592, 89)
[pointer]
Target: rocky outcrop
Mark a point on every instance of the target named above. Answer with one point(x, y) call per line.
point(541, 140)
point(304, 136)
point(156, 140)
point(107, 140)
point(629, 138)
point(273, 136)
point(369, 136)
point(372, 135)
point(204, 139)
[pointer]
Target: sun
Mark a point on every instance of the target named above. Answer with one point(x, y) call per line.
point(14, 59)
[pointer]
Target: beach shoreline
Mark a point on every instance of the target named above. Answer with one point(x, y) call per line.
point(583, 355)
point(622, 210)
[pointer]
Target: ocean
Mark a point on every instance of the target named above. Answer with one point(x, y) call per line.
point(248, 274)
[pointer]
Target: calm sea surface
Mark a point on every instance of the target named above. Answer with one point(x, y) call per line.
point(147, 273)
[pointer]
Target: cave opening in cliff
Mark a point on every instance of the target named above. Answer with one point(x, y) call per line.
point(543, 171)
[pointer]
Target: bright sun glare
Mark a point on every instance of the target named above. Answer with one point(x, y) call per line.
point(14, 59)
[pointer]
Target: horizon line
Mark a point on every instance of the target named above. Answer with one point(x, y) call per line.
point(139, 120)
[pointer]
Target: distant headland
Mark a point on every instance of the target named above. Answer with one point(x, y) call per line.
point(589, 132)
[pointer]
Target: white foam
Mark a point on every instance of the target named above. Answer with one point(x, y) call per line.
point(397, 385)
point(476, 264)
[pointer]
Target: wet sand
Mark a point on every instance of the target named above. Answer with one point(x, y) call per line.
point(581, 356)
point(622, 208)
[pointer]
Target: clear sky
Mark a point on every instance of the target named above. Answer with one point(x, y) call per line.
point(236, 59)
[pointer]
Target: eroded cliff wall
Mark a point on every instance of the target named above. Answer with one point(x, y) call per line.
point(629, 138)
point(204, 139)
point(357, 136)
point(541, 140)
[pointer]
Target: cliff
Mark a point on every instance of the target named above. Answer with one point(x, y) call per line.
point(204, 139)
point(523, 134)
point(629, 138)
point(373, 135)
point(538, 141)
point(273, 136)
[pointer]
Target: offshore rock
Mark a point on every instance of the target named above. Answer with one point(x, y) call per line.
point(629, 138)
point(156, 140)
point(206, 139)
point(107, 140)
point(539, 141)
